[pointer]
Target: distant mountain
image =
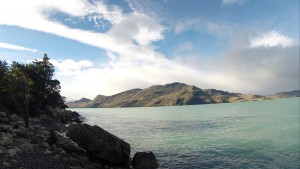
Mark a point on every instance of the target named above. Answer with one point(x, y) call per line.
point(165, 95)
point(83, 102)
point(294, 93)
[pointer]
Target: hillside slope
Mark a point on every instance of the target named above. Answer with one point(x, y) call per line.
point(165, 95)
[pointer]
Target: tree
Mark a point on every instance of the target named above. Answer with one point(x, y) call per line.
point(29, 88)
point(17, 86)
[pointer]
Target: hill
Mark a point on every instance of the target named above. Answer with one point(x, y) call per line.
point(165, 95)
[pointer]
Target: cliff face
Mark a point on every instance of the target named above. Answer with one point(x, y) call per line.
point(165, 95)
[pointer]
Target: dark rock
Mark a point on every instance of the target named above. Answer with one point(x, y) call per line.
point(27, 148)
point(21, 131)
point(4, 120)
point(100, 143)
point(144, 160)
point(52, 138)
point(6, 164)
point(2, 114)
point(67, 144)
point(6, 140)
point(4, 128)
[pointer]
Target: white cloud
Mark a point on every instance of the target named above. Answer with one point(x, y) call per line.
point(272, 39)
point(16, 47)
point(230, 2)
point(134, 62)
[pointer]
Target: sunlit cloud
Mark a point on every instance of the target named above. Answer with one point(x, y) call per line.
point(272, 39)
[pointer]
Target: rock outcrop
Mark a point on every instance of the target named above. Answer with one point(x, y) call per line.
point(100, 143)
point(144, 160)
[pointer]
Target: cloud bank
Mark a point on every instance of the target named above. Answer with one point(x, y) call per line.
point(263, 63)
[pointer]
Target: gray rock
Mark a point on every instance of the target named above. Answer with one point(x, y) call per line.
point(144, 160)
point(45, 145)
point(27, 148)
point(21, 131)
point(18, 150)
point(2, 114)
point(12, 152)
point(17, 124)
point(67, 144)
point(63, 152)
point(47, 152)
point(57, 157)
point(6, 141)
point(4, 120)
point(74, 161)
point(4, 128)
point(100, 143)
point(6, 164)
point(2, 151)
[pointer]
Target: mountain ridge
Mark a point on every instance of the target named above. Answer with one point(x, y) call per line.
point(172, 94)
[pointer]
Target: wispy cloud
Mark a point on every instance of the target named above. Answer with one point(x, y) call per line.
point(230, 2)
point(16, 47)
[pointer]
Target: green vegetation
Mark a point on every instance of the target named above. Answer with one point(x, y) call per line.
point(29, 88)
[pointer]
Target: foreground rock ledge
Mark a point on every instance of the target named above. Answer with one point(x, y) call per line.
point(100, 143)
point(144, 160)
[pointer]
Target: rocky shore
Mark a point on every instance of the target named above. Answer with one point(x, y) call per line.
point(58, 139)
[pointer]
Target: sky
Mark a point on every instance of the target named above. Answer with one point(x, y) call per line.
point(109, 46)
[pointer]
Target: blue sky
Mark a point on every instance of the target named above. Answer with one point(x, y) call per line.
point(104, 47)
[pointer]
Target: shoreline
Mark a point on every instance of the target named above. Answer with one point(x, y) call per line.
point(47, 143)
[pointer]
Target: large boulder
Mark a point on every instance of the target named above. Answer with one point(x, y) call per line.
point(144, 160)
point(100, 143)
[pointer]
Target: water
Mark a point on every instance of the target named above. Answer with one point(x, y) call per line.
point(261, 134)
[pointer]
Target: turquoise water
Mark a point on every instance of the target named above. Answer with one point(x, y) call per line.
point(261, 134)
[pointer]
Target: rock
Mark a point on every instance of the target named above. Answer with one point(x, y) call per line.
point(4, 120)
point(52, 138)
point(67, 144)
point(14, 161)
point(144, 160)
point(57, 157)
point(12, 152)
point(27, 148)
point(47, 152)
point(6, 141)
point(2, 151)
point(76, 167)
point(100, 143)
point(63, 152)
point(21, 131)
point(18, 150)
point(4, 128)
point(17, 124)
point(74, 161)
point(6, 164)
point(45, 145)
point(3, 114)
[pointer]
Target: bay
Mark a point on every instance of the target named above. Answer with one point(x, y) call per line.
point(259, 134)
